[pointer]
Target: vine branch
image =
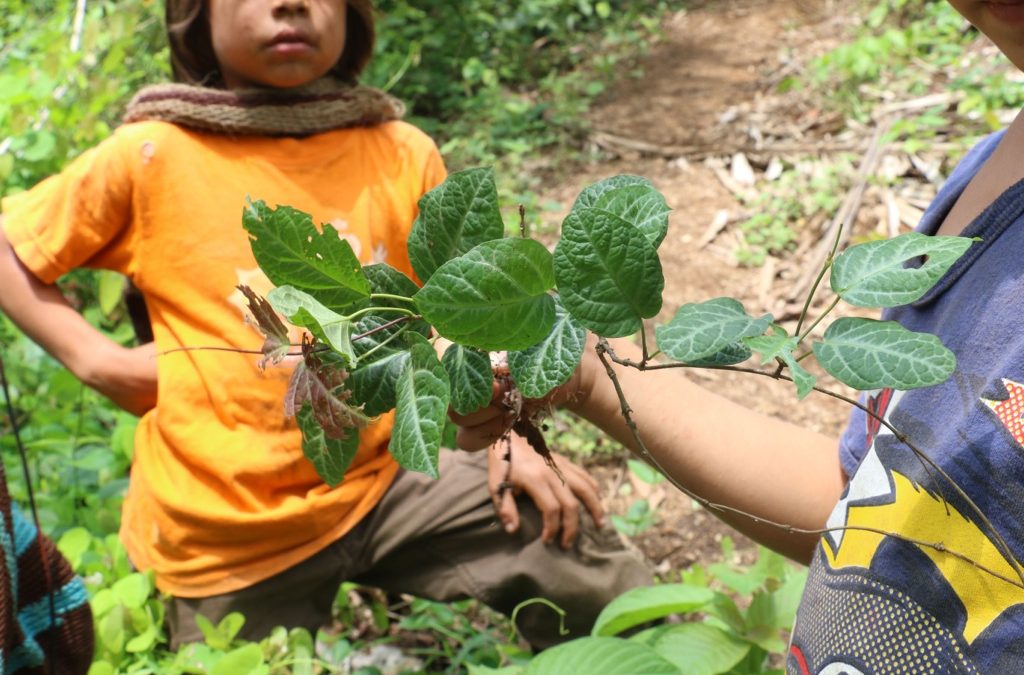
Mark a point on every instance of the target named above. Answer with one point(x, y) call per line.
point(607, 356)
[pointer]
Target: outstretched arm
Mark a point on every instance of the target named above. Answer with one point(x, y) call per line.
point(126, 376)
point(720, 450)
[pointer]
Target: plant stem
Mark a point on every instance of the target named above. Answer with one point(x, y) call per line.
point(389, 296)
point(375, 310)
point(386, 342)
point(606, 354)
point(814, 289)
point(821, 318)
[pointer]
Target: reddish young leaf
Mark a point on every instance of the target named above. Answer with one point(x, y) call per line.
point(322, 384)
point(277, 344)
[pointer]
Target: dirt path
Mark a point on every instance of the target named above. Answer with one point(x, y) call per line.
point(715, 72)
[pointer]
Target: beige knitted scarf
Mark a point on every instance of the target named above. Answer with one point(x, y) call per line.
point(321, 106)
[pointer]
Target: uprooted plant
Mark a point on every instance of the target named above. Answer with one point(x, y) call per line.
point(370, 348)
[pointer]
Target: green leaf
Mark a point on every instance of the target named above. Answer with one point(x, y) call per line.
point(702, 330)
point(373, 384)
point(600, 656)
point(247, 660)
point(110, 291)
point(730, 356)
point(455, 217)
point(303, 310)
point(133, 590)
point(74, 544)
point(330, 456)
point(552, 361)
point(291, 252)
point(493, 298)
point(609, 275)
point(422, 408)
point(640, 205)
point(648, 603)
point(779, 345)
point(875, 274)
point(700, 649)
point(385, 279)
point(471, 377)
point(592, 193)
point(868, 354)
point(143, 641)
point(645, 472)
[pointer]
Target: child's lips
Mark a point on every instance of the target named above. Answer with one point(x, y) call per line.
point(290, 42)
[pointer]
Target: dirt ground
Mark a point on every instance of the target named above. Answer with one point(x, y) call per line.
point(718, 59)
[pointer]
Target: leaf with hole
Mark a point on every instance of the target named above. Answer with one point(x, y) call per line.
point(494, 298)
point(868, 354)
point(291, 252)
point(883, 273)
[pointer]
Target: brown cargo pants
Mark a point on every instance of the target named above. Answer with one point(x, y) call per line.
point(439, 539)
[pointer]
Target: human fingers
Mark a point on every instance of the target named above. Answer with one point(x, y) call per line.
point(508, 512)
point(585, 488)
point(568, 508)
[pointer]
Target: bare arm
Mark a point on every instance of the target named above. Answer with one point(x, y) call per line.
point(718, 449)
point(723, 451)
point(126, 376)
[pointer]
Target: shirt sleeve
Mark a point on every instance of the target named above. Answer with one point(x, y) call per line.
point(434, 171)
point(78, 218)
point(853, 442)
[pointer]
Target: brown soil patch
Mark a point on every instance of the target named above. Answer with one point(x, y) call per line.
point(716, 71)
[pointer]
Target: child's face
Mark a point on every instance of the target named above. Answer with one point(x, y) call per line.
point(1001, 20)
point(276, 43)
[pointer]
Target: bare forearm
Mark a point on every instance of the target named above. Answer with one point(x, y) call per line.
point(43, 313)
point(725, 453)
point(126, 376)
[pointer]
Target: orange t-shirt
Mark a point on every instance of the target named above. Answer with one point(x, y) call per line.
point(220, 495)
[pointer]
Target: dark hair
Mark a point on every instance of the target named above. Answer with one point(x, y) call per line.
point(193, 60)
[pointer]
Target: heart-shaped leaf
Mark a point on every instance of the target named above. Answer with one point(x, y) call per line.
point(592, 193)
point(471, 377)
point(291, 252)
point(553, 360)
point(868, 354)
point(701, 330)
point(422, 408)
point(456, 216)
point(330, 456)
point(876, 274)
point(608, 273)
point(640, 205)
point(494, 298)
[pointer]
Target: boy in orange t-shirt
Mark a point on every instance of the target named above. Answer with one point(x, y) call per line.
point(222, 504)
